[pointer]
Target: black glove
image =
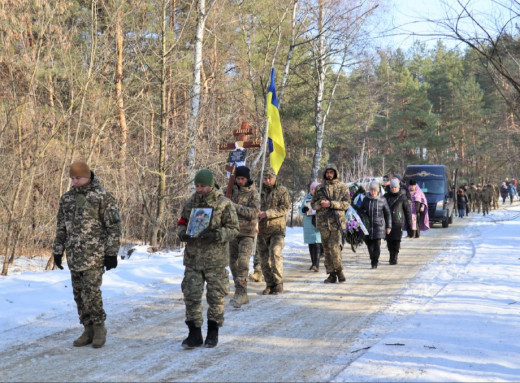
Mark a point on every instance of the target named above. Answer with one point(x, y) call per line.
point(57, 261)
point(110, 263)
point(186, 238)
point(305, 209)
point(208, 237)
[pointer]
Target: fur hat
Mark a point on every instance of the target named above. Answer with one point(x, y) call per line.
point(79, 169)
point(269, 173)
point(243, 171)
point(204, 177)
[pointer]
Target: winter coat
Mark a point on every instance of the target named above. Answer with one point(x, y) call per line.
point(504, 191)
point(462, 201)
point(338, 194)
point(247, 204)
point(88, 226)
point(199, 255)
point(310, 233)
point(275, 202)
point(511, 189)
point(401, 213)
point(379, 216)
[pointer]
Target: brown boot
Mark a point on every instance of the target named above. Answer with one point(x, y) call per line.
point(277, 289)
point(331, 278)
point(256, 276)
point(100, 335)
point(341, 276)
point(268, 290)
point(240, 298)
point(86, 337)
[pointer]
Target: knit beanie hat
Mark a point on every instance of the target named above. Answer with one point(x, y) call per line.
point(204, 177)
point(243, 171)
point(413, 182)
point(394, 183)
point(269, 173)
point(79, 169)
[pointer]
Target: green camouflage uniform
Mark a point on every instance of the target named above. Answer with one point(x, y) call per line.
point(206, 262)
point(478, 199)
point(247, 204)
point(327, 218)
point(271, 232)
point(470, 193)
point(487, 198)
point(88, 229)
point(495, 195)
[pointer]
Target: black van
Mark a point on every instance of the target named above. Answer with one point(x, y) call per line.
point(433, 181)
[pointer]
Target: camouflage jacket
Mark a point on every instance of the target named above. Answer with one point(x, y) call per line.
point(224, 221)
point(275, 202)
point(247, 204)
point(487, 194)
point(88, 226)
point(339, 196)
point(471, 193)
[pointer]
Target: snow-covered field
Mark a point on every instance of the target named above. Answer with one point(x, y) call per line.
point(456, 319)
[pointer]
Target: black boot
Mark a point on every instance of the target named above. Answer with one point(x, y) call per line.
point(332, 278)
point(341, 276)
point(317, 256)
point(194, 338)
point(312, 251)
point(212, 337)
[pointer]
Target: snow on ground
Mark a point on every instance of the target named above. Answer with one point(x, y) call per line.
point(468, 331)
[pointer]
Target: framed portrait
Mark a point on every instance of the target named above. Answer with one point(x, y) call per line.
point(199, 221)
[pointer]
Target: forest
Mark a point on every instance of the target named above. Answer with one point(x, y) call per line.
point(145, 91)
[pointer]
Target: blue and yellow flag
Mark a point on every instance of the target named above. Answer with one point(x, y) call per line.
point(275, 142)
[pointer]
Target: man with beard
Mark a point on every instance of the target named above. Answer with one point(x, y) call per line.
point(331, 199)
point(247, 204)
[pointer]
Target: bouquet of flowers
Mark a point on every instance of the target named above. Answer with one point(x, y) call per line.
point(355, 231)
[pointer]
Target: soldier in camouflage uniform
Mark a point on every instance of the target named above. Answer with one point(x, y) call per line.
point(247, 204)
point(205, 259)
point(471, 194)
point(89, 230)
point(274, 205)
point(478, 198)
point(331, 199)
point(495, 194)
point(487, 198)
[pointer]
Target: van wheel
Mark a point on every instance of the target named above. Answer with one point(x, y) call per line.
point(445, 224)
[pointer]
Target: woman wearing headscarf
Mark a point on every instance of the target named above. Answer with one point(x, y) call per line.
point(379, 221)
point(400, 209)
point(419, 205)
point(311, 235)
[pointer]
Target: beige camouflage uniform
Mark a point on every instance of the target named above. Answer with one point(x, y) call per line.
point(88, 229)
point(487, 198)
point(326, 221)
point(206, 262)
point(271, 231)
point(247, 204)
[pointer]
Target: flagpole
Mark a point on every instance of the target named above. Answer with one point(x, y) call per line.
point(264, 144)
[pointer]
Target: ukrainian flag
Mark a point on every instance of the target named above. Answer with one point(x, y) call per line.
point(275, 140)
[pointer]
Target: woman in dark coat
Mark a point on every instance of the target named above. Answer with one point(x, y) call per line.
point(400, 210)
point(380, 221)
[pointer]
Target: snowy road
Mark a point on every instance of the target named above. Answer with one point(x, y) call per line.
point(310, 333)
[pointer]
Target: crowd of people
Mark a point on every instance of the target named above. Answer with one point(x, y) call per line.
point(220, 232)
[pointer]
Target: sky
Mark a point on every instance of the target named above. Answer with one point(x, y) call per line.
point(461, 321)
point(406, 21)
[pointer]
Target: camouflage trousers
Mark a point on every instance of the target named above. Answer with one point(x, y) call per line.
point(476, 206)
point(217, 281)
point(86, 287)
point(239, 253)
point(331, 241)
point(270, 250)
point(257, 264)
point(485, 207)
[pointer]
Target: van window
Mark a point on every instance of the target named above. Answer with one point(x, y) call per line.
point(432, 186)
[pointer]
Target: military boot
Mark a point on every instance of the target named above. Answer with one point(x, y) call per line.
point(256, 276)
point(268, 290)
point(277, 289)
point(194, 338)
point(86, 337)
point(341, 276)
point(240, 297)
point(100, 335)
point(331, 278)
point(212, 337)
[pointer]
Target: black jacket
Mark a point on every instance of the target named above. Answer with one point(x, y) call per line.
point(462, 201)
point(378, 212)
point(401, 213)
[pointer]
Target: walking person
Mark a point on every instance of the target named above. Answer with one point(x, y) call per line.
point(511, 191)
point(462, 202)
point(88, 229)
point(274, 205)
point(205, 259)
point(504, 192)
point(247, 205)
point(377, 210)
point(311, 235)
point(401, 214)
point(419, 208)
point(478, 198)
point(487, 198)
point(331, 200)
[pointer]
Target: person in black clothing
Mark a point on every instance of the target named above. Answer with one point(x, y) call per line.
point(380, 221)
point(400, 210)
point(462, 202)
point(402, 186)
